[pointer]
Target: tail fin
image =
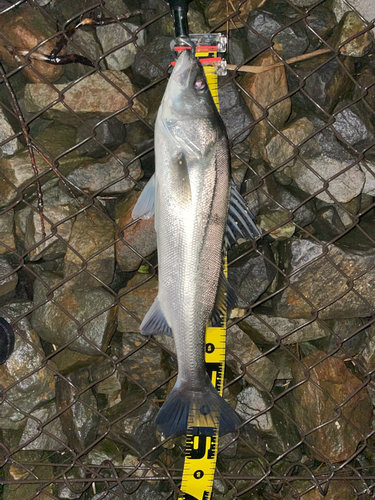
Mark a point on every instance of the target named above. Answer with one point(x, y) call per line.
point(172, 419)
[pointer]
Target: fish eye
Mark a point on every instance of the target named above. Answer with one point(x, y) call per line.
point(200, 85)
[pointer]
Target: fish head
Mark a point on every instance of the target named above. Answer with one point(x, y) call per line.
point(188, 113)
point(187, 94)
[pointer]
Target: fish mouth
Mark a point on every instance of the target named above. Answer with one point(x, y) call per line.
point(183, 68)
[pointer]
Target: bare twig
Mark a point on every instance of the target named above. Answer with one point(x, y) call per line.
point(261, 69)
point(25, 133)
point(70, 191)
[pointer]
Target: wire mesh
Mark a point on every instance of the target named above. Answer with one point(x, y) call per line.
point(81, 390)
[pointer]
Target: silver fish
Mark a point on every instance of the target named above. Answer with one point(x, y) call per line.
point(197, 210)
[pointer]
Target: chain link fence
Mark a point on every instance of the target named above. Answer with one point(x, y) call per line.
point(80, 86)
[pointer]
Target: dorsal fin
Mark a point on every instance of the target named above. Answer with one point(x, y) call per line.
point(241, 222)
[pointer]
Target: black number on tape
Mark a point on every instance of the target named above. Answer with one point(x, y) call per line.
point(215, 367)
point(203, 447)
point(198, 474)
point(210, 348)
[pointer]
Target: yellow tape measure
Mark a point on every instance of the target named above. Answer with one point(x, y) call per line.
point(202, 442)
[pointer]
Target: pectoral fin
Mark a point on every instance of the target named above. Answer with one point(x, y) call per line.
point(154, 321)
point(241, 222)
point(145, 208)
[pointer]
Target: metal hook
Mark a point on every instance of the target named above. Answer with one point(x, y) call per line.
point(182, 41)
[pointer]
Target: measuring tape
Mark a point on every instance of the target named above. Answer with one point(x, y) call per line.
point(202, 441)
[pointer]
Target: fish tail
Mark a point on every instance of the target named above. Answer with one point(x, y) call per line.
point(208, 405)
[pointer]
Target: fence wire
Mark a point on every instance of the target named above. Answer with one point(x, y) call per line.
point(80, 85)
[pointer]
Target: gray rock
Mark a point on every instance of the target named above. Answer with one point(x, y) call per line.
point(368, 168)
point(150, 490)
point(58, 206)
point(16, 173)
point(238, 49)
point(239, 158)
point(6, 133)
point(68, 361)
point(74, 490)
point(111, 134)
point(352, 122)
point(39, 435)
point(264, 329)
point(279, 150)
point(325, 83)
point(283, 359)
point(107, 377)
point(90, 249)
point(15, 490)
point(290, 41)
point(348, 211)
point(85, 43)
point(280, 434)
point(364, 88)
point(327, 224)
point(367, 354)
point(106, 450)
point(290, 198)
point(141, 236)
point(110, 175)
point(234, 112)
point(26, 364)
point(53, 325)
point(347, 185)
point(8, 277)
point(346, 339)
point(57, 139)
point(95, 94)
point(260, 185)
point(143, 366)
point(303, 3)
point(312, 274)
point(251, 275)
point(141, 137)
point(349, 26)
point(152, 63)
point(323, 154)
point(277, 224)
point(242, 357)
point(322, 20)
point(77, 404)
point(132, 423)
point(125, 35)
point(7, 239)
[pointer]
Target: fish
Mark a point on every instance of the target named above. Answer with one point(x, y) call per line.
point(198, 213)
